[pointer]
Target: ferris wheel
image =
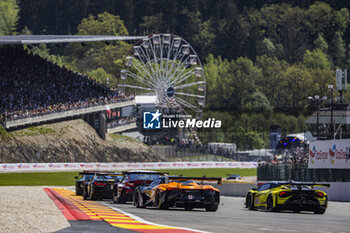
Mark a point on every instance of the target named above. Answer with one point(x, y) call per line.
point(166, 66)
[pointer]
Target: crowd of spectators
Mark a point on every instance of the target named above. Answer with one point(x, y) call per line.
point(188, 142)
point(220, 150)
point(169, 106)
point(298, 159)
point(32, 86)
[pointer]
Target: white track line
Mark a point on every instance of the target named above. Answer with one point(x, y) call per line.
point(138, 218)
point(147, 222)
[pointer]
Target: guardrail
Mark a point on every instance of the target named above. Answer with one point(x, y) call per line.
point(122, 128)
point(30, 167)
point(59, 115)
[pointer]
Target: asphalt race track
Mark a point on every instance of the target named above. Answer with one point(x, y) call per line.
point(233, 217)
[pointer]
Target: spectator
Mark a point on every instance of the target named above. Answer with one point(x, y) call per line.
point(31, 86)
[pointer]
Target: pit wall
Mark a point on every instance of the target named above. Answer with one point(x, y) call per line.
point(235, 189)
point(338, 191)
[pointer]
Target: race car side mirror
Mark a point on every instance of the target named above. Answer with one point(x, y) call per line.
point(254, 189)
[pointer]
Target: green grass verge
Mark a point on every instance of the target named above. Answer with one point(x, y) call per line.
point(41, 130)
point(67, 178)
point(4, 134)
point(38, 178)
point(119, 137)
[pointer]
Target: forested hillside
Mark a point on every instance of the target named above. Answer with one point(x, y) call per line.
point(230, 29)
point(262, 59)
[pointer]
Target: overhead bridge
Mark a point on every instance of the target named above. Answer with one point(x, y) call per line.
point(47, 39)
point(62, 115)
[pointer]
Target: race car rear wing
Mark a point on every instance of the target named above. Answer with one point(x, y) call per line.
point(109, 174)
point(305, 184)
point(204, 178)
point(145, 172)
point(92, 172)
point(97, 172)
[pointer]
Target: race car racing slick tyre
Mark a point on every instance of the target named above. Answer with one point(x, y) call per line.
point(93, 196)
point(188, 206)
point(114, 197)
point(249, 203)
point(159, 204)
point(85, 193)
point(138, 199)
point(78, 190)
point(135, 199)
point(321, 209)
point(269, 204)
point(121, 199)
point(211, 207)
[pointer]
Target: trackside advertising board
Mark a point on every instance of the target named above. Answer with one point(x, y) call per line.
point(330, 154)
point(20, 167)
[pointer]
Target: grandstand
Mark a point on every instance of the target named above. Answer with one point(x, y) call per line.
point(34, 90)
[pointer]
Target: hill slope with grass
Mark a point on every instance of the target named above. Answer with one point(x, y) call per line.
point(69, 141)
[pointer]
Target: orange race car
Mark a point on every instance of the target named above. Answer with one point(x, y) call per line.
point(178, 191)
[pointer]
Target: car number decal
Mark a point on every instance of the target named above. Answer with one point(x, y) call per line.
point(256, 200)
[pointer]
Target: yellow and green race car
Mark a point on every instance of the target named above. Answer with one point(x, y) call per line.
point(295, 196)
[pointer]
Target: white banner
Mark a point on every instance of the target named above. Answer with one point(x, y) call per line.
point(330, 154)
point(32, 167)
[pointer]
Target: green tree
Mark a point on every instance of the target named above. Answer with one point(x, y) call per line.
point(340, 21)
point(205, 37)
point(272, 77)
point(152, 24)
point(100, 75)
point(297, 86)
point(258, 103)
point(247, 140)
point(281, 24)
point(109, 54)
point(267, 47)
point(321, 43)
point(8, 17)
point(321, 78)
point(289, 124)
point(319, 16)
point(105, 55)
point(230, 83)
point(348, 56)
point(102, 24)
point(301, 126)
point(316, 59)
point(238, 82)
point(213, 68)
point(338, 51)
